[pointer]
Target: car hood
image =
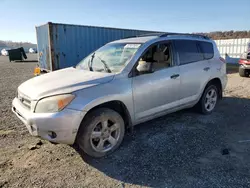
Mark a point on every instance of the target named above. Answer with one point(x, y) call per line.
point(62, 81)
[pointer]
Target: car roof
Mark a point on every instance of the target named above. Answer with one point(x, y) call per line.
point(135, 39)
point(144, 39)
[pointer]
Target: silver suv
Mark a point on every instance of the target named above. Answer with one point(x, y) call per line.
point(124, 83)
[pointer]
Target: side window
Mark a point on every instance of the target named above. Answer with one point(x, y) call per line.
point(207, 49)
point(188, 51)
point(160, 55)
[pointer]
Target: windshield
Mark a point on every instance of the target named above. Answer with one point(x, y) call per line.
point(109, 58)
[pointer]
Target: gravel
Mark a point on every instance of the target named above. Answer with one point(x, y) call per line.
point(183, 149)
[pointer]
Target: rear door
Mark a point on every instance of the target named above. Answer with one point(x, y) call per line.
point(194, 70)
point(43, 49)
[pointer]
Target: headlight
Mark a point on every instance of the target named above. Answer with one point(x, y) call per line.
point(54, 103)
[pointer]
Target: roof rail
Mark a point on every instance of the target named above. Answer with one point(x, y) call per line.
point(146, 35)
point(162, 34)
point(171, 34)
point(185, 34)
point(151, 34)
point(133, 36)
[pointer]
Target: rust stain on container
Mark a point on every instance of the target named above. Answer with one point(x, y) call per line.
point(54, 66)
point(47, 56)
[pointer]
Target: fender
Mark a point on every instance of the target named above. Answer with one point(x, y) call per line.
point(205, 85)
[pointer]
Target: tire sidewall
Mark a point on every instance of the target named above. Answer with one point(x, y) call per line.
point(203, 108)
point(242, 72)
point(83, 138)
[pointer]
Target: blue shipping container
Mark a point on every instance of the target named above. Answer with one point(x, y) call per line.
point(63, 45)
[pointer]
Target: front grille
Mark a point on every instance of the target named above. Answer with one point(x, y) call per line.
point(24, 100)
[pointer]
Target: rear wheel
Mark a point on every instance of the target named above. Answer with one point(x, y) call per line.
point(208, 100)
point(101, 132)
point(243, 72)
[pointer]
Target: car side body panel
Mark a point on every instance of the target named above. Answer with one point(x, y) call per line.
point(193, 78)
point(155, 92)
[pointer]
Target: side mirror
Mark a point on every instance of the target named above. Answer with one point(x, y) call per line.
point(144, 67)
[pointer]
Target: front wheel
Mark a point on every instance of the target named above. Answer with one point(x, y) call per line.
point(101, 132)
point(208, 100)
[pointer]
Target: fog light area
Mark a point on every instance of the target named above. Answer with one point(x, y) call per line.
point(52, 134)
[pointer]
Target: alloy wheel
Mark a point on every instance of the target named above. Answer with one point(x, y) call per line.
point(105, 135)
point(211, 99)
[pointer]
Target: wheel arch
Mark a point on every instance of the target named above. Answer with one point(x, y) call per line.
point(217, 82)
point(115, 105)
point(214, 81)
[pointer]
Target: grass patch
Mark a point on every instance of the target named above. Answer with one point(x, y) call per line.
point(6, 132)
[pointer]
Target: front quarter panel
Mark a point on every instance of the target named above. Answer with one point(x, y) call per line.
point(118, 89)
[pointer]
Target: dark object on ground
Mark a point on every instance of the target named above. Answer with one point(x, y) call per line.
point(32, 147)
point(225, 151)
point(39, 143)
point(36, 145)
point(17, 54)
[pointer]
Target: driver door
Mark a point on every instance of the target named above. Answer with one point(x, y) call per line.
point(155, 93)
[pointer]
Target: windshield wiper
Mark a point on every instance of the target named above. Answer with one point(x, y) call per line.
point(90, 62)
point(105, 65)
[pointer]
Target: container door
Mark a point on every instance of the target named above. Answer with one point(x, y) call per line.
point(43, 47)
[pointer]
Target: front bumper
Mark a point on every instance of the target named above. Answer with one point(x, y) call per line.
point(245, 66)
point(64, 124)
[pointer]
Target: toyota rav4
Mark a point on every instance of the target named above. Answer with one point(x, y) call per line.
point(124, 83)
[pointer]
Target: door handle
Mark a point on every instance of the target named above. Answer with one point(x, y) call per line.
point(206, 68)
point(174, 76)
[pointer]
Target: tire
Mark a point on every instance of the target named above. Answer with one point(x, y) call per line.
point(243, 72)
point(202, 104)
point(101, 132)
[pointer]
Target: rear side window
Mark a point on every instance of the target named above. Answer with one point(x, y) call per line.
point(188, 51)
point(207, 49)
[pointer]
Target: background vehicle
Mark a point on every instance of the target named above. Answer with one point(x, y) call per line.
point(124, 83)
point(4, 52)
point(244, 62)
point(32, 50)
